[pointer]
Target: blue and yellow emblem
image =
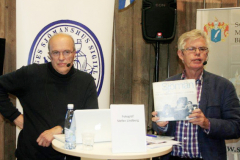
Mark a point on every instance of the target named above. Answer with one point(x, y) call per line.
point(219, 30)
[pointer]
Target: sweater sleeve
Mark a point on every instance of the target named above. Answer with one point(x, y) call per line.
point(13, 83)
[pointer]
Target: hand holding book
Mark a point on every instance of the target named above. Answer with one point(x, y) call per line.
point(156, 119)
point(199, 118)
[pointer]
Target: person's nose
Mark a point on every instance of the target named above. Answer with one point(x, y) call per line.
point(61, 56)
point(197, 52)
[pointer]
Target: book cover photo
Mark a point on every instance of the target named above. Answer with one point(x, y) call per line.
point(175, 100)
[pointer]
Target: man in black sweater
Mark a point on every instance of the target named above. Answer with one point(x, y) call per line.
point(44, 90)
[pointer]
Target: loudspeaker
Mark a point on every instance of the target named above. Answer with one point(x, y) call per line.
point(159, 18)
point(2, 54)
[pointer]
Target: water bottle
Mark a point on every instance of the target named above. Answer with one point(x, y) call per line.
point(69, 129)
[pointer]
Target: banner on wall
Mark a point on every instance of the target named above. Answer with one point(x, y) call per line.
point(90, 23)
point(222, 26)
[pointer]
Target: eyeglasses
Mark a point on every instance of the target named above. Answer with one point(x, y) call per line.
point(194, 49)
point(65, 53)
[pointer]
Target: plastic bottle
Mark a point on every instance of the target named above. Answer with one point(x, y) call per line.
point(69, 129)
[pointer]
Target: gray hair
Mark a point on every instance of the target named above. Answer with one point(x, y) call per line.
point(191, 35)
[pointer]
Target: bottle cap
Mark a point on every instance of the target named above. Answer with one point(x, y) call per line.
point(70, 106)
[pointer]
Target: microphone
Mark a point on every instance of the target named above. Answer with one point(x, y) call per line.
point(69, 64)
point(204, 63)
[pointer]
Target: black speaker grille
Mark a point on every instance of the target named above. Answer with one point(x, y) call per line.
point(158, 16)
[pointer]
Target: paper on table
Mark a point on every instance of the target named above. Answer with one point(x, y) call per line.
point(157, 137)
point(151, 140)
point(163, 144)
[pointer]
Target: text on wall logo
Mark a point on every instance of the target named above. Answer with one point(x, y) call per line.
point(89, 56)
point(218, 30)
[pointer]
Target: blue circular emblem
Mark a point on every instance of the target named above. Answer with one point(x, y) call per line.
point(89, 55)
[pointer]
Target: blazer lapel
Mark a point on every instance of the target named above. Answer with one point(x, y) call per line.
point(204, 94)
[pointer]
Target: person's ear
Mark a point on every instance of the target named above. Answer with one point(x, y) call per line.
point(74, 55)
point(49, 56)
point(180, 54)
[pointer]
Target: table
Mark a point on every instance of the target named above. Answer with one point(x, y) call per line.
point(103, 150)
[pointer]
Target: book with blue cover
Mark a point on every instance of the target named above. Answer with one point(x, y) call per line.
point(175, 100)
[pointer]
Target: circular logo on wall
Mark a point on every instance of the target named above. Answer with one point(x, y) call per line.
point(89, 55)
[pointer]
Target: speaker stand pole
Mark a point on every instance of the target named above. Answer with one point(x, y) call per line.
point(157, 62)
point(156, 71)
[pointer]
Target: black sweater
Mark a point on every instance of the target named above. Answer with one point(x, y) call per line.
point(44, 95)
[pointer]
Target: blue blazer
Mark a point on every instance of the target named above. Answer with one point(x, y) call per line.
point(220, 104)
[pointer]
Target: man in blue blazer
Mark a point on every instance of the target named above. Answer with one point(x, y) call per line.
point(218, 114)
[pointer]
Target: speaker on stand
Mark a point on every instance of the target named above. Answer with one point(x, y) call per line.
point(159, 18)
point(2, 54)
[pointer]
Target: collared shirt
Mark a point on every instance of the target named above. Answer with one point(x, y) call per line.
point(187, 133)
